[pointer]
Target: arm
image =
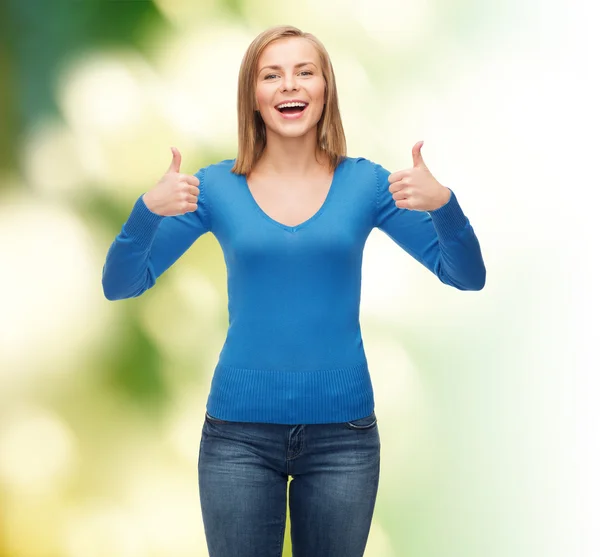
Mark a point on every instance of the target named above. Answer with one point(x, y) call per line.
point(148, 245)
point(443, 240)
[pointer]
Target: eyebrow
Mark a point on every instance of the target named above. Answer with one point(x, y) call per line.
point(279, 67)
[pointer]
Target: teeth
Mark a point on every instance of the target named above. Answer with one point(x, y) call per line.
point(284, 105)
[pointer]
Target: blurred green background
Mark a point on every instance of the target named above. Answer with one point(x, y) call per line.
point(102, 403)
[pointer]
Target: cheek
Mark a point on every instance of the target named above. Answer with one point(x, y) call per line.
point(319, 91)
point(319, 98)
point(262, 98)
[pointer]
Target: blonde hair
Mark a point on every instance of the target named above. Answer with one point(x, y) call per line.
point(252, 137)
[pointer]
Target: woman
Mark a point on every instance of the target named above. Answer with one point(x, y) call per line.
point(291, 393)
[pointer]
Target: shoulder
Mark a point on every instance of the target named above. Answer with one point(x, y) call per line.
point(365, 169)
point(218, 168)
point(360, 163)
point(218, 172)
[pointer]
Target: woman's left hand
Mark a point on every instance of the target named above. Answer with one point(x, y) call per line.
point(416, 188)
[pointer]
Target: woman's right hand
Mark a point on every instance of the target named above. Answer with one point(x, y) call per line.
point(175, 193)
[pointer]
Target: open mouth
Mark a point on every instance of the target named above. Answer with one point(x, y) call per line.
point(292, 108)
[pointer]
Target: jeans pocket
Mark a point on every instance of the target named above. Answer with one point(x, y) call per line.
point(213, 420)
point(363, 423)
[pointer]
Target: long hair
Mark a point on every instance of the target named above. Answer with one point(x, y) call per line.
point(252, 136)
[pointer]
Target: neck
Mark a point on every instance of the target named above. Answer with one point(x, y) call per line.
point(292, 156)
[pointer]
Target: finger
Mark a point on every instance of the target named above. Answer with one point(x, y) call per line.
point(416, 154)
point(404, 193)
point(193, 190)
point(398, 175)
point(397, 186)
point(192, 198)
point(176, 162)
point(190, 179)
point(186, 191)
point(404, 204)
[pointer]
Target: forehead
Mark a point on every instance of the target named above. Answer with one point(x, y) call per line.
point(289, 51)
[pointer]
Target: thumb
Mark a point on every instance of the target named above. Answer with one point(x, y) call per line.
point(176, 162)
point(416, 154)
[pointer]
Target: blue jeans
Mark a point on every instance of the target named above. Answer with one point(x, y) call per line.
point(243, 471)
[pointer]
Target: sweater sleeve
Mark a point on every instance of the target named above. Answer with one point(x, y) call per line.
point(443, 240)
point(149, 244)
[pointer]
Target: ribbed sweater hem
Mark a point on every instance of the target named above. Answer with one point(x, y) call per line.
point(291, 397)
point(142, 223)
point(449, 218)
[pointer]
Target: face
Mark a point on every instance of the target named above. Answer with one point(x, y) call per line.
point(289, 70)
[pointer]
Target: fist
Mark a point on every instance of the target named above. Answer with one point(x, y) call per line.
point(415, 188)
point(175, 193)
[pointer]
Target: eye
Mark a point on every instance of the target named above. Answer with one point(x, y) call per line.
point(269, 75)
point(307, 71)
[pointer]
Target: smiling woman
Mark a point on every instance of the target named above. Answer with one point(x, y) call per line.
point(284, 64)
point(291, 394)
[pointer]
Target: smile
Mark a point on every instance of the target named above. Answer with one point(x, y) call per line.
point(291, 110)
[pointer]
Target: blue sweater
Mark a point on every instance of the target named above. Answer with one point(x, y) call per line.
point(293, 352)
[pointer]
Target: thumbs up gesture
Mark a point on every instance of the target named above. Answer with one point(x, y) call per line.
point(415, 188)
point(175, 193)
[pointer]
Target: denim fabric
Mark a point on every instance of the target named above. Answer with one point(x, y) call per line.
point(243, 473)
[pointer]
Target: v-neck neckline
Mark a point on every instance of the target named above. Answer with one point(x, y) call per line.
point(328, 197)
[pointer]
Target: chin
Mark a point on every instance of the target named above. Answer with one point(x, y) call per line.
point(298, 133)
point(291, 130)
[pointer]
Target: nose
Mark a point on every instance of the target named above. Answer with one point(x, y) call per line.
point(288, 83)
